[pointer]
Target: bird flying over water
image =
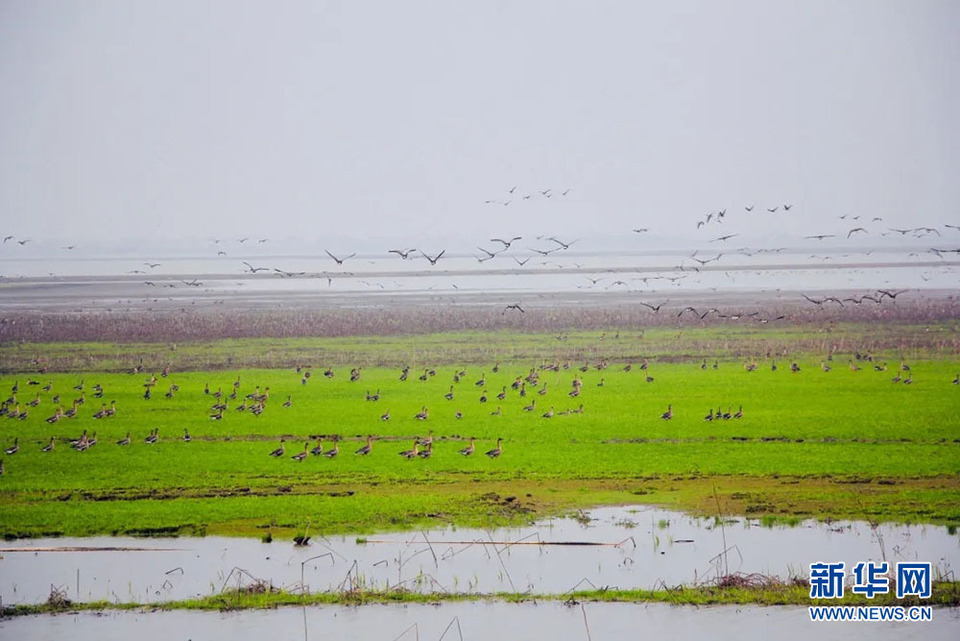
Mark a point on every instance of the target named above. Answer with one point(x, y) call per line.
point(339, 261)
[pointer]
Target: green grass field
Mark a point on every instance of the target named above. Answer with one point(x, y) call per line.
point(841, 443)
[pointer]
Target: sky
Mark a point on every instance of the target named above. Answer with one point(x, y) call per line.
point(334, 123)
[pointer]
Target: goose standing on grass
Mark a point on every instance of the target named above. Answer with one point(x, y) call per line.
point(412, 453)
point(739, 413)
point(301, 455)
point(497, 451)
point(668, 414)
point(366, 449)
point(468, 450)
point(186, 436)
point(318, 449)
point(333, 451)
point(956, 380)
point(277, 453)
point(124, 441)
point(48, 447)
point(427, 452)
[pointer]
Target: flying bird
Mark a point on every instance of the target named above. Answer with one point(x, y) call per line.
point(339, 261)
point(521, 262)
point(722, 238)
point(254, 270)
point(856, 229)
point(640, 230)
point(820, 236)
point(432, 260)
point(402, 253)
point(654, 308)
point(515, 306)
point(774, 210)
point(506, 243)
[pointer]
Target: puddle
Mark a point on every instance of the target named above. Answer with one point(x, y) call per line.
point(643, 548)
point(476, 620)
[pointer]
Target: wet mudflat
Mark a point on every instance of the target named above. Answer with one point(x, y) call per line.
point(475, 620)
point(621, 548)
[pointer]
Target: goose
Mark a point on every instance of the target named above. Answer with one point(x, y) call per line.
point(483, 397)
point(186, 436)
point(497, 451)
point(92, 440)
point(468, 450)
point(333, 451)
point(956, 380)
point(422, 414)
point(102, 412)
point(409, 454)
point(56, 416)
point(48, 447)
point(277, 453)
point(709, 416)
point(16, 446)
point(301, 455)
point(427, 440)
point(154, 435)
point(543, 390)
point(668, 414)
point(497, 412)
point(548, 413)
point(385, 416)
point(427, 452)
point(906, 381)
point(289, 401)
point(482, 380)
point(458, 415)
point(896, 379)
point(124, 441)
point(318, 449)
point(366, 449)
point(503, 393)
point(727, 415)
point(35, 402)
point(739, 413)
point(532, 406)
point(648, 378)
point(112, 410)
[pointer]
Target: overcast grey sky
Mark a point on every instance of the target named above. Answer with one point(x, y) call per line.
point(318, 120)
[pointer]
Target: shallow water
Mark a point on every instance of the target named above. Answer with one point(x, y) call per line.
point(645, 548)
point(476, 620)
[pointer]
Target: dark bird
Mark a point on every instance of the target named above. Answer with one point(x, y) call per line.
point(277, 453)
point(750, 208)
point(640, 230)
point(787, 207)
point(468, 450)
point(403, 253)
point(561, 243)
point(433, 260)
point(506, 243)
point(820, 236)
point(668, 414)
point(655, 309)
point(339, 261)
point(723, 238)
point(687, 309)
point(856, 229)
point(366, 449)
point(497, 451)
point(254, 270)
point(515, 306)
point(892, 295)
point(333, 451)
point(773, 211)
point(521, 262)
point(23, 242)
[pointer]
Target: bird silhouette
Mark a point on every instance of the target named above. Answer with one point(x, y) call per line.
point(432, 260)
point(339, 261)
